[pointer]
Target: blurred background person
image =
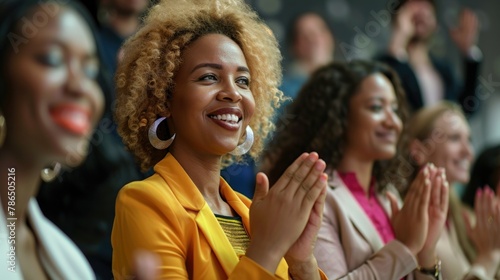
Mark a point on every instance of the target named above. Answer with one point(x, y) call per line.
point(427, 78)
point(118, 19)
point(311, 45)
point(81, 200)
point(50, 101)
point(352, 114)
point(440, 134)
point(485, 172)
point(363, 28)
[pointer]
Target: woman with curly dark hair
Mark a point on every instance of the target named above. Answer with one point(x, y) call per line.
point(194, 83)
point(352, 114)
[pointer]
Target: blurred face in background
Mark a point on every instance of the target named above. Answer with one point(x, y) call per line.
point(53, 98)
point(313, 40)
point(453, 150)
point(424, 20)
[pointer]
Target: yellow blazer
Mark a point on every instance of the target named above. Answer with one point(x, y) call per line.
point(166, 214)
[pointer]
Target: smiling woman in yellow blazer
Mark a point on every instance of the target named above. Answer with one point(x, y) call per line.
point(203, 74)
point(194, 232)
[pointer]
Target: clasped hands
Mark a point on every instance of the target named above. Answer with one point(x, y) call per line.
point(485, 232)
point(420, 221)
point(285, 219)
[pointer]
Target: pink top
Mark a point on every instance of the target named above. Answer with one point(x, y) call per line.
point(370, 205)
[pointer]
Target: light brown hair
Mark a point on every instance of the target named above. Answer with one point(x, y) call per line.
point(421, 128)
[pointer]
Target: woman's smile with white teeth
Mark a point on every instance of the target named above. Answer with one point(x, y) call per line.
point(226, 117)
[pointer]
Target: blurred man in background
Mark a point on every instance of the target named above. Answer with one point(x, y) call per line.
point(427, 79)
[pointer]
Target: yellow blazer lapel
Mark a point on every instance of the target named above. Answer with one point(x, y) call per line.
point(241, 205)
point(217, 239)
point(351, 208)
point(191, 199)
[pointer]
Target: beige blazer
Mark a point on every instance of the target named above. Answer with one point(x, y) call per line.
point(455, 265)
point(349, 246)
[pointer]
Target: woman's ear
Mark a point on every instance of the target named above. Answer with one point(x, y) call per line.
point(417, 152)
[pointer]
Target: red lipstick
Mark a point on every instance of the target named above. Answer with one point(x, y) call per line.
point(72, 118)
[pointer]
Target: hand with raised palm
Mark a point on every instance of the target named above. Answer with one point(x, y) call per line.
point(438, 211)
point(404, 29)
point(285, 219)
point(300, 257)
point(411, 222)
point(466, 33)
point(486, 231)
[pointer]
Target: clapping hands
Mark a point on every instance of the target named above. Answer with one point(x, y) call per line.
point(419, 223)
point(286, 218)
point(485, 233)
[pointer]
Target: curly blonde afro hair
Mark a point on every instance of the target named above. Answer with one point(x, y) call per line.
point(144, 79)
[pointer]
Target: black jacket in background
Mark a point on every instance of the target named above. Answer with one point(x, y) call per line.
point(462, 91)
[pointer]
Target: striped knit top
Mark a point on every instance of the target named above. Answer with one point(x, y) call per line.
point(235, 232)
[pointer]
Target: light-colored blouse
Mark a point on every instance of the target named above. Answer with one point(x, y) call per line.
point(59, 256)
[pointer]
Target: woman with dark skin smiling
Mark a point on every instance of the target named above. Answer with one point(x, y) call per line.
point(194, 82)
point(352, 114)
point(49, 103)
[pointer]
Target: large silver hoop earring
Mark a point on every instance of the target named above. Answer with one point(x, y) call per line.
point(153, 137)
point(3, 129)
point(244, 147)
point(50, 173)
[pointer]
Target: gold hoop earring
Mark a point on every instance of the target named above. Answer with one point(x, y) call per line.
point(50, 173)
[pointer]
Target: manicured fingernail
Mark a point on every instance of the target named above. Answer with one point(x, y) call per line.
point(426, 171)
point(487, 190)
point(446, 184)
point(323, 177)
point(319, 165)
point(427, 182)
